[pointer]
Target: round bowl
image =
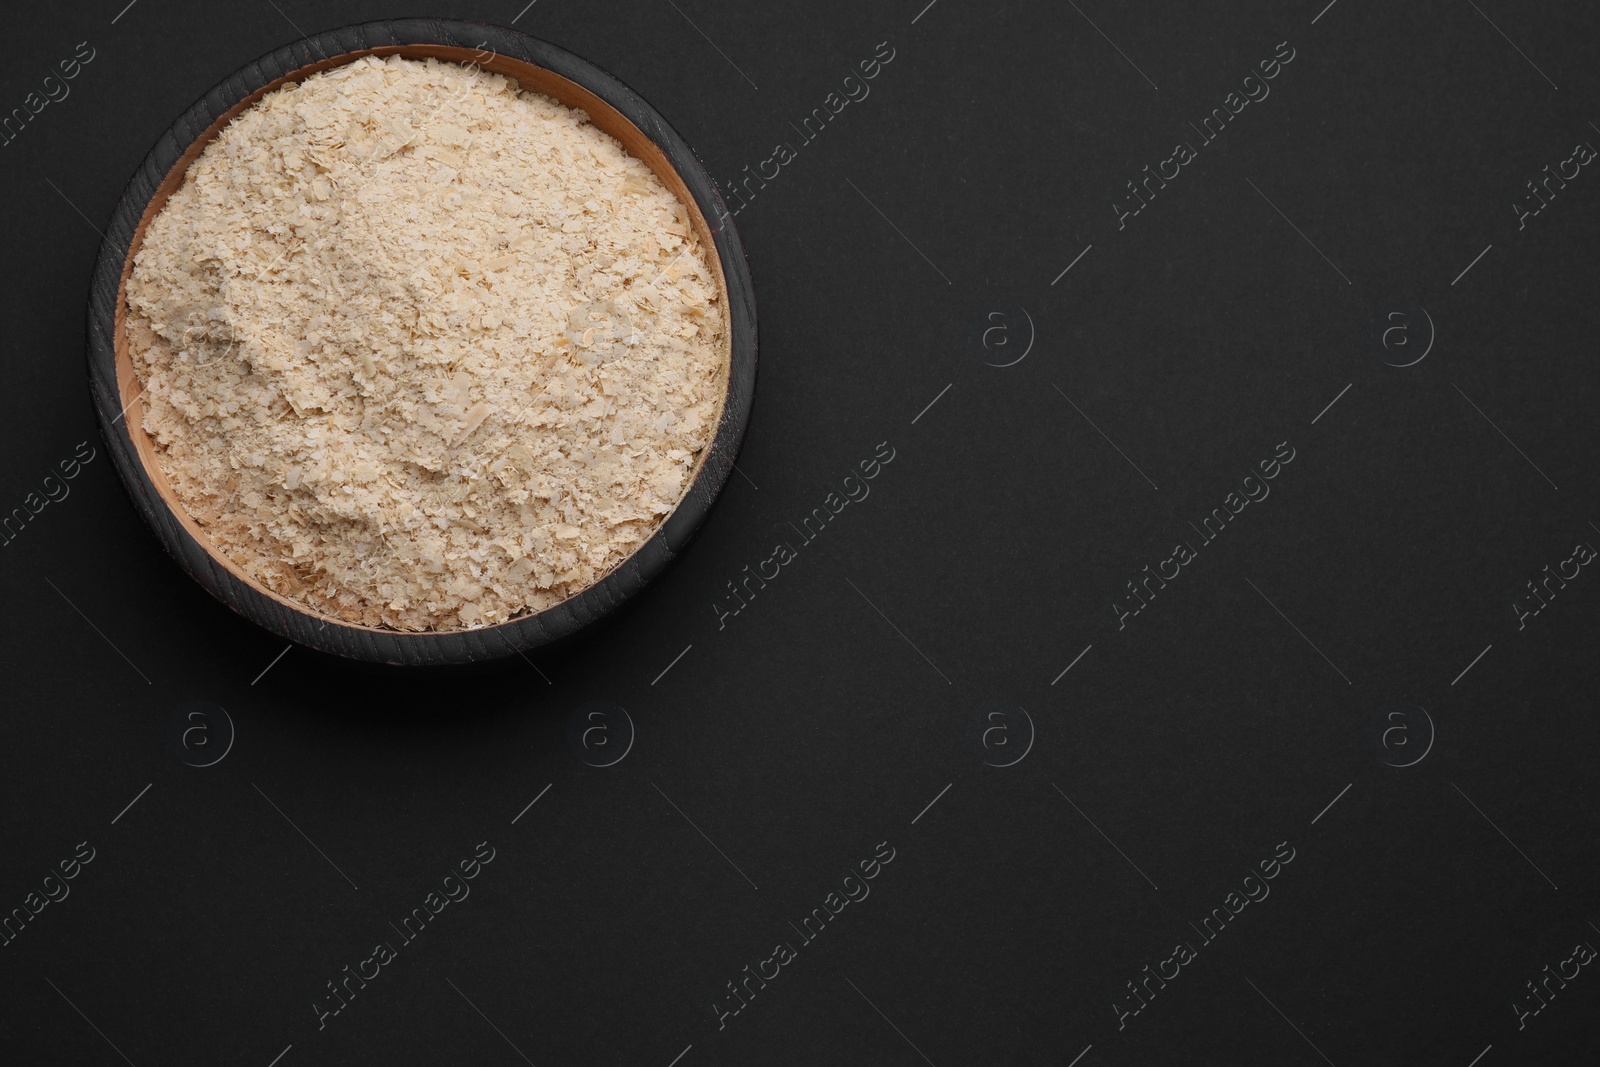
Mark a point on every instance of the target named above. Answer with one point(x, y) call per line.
point(537, 66)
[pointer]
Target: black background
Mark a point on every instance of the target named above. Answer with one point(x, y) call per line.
point(822, 720)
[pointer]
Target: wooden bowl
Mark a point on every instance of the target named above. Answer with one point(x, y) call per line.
point(538, 66)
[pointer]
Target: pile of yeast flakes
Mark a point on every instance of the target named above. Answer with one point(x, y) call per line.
point(421, 350)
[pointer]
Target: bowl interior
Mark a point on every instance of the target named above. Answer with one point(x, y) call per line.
point(531, 77)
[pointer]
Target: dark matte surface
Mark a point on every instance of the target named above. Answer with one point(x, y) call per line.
point(824, 718)
point(155, 179)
